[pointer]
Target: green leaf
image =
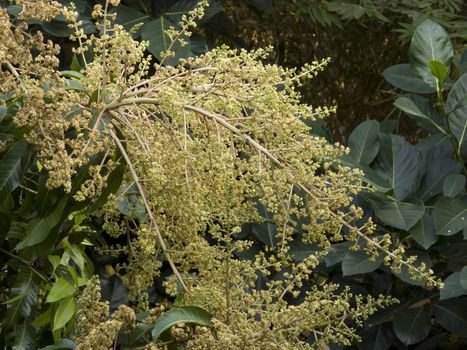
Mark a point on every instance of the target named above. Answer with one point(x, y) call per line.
point(463, 277)
point(453, 185)
point(300, 250)
point(61, 289)
point(456, 106)
point(404, 274)
point(400, 162)
point(43, 319)
point(379, 337)
point(336, 253)
point(60, 345)
point(413, 109)
point(452, 287)
point(356, 262)
point(128, 16)
point(424, 231)
point(65, 311)
point(38, 229)
point(24, 337)
point(438, 70)
point(159, 41)
point(24, 292)
point(436, 171)
point(450, 216)
point(411, 325)
point(399, 214)
point(184, 314)
point(452, 315)
point(263, 5)
point(10, 169)
point(403, 77)
point(430, 42)
point(364, 142)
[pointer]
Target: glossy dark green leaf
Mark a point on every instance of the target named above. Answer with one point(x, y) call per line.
point(420, 110)
point(184, 314)
point(436, 171)
point(10, 169)
point(38, 229)
point(424, 231)
point(65, 311)
point(411, 325)
point(364, 142)
point(452, 315)
point(400, 162)
point(399, 214)
point(463, 277)
point(356, 262)
point(23, 297)
point(450, 216)
point(456, 105)
point(452, 287)
point(404, 274)
point(453, 185)
point(430, 42)
point(60, 289)
point(403, 77)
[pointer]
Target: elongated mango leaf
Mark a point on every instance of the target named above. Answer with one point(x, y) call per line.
point(450, 216)
point(39, 228)
point(453, 185)
point(456, 106)
point(65, 311)
point(364, 142)
point(452, 287)
point(399, 214)
point(359, 262)
point(60, 290)
point(24, 337)
point(183, 314)
point(419, 109)
point(23, 298)
point(411, 325)
point(424, 231)
point(403, 77)
point(400, 163)
point(430, 42)
point(10, 169)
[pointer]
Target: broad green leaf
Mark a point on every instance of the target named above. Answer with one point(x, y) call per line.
point(24, 337)
point(128, 16)
point(452, 287)
point(414, 111)
point(364, 142)
point(159, 41)
point(54, 261)
point(450, 216)
point(65, 311)
point(336, 253)
point(453, 185)
point(43, 319)
point(430, 42)
point(438, 70)
point(379, 337)
point(424, 231)
point(184, 314)
point(24, 292)
point(411, 325)
point(456, 106)
point(10, 169)
point(404, 274)
point(452, 315)
point(400, 162)
point(403, 77)
point(463, 277)
point(60, 345)
point(356, 262)
point(436, 171)
point(38, 229)
point(300, 250)
point(61, 289)
point(399, 214)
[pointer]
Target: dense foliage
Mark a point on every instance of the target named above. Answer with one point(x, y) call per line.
point(158, 194)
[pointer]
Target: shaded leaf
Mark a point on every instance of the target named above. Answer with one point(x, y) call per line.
point(356, 262)
point(424, 231)
point(61, 344)
point(463, 277)
point(452, 287)
point(452, 315)
point(411, 325)
point(364, 142)
point(113, 291)
point(24, 337)
point(10, 169)
point(450, 216)
point(400, 215)
point(456, 107)
point(184, 314)
point(380, 337)
point(430, 42)
point(404, 274)
point(403, 77)
point(453, 185)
